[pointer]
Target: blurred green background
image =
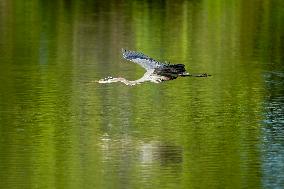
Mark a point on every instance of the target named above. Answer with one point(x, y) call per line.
point(59, 129)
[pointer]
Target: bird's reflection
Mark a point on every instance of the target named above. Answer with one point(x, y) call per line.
point(165, 154)
point(143, 153)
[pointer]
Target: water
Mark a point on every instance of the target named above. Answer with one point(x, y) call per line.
point(58, 129)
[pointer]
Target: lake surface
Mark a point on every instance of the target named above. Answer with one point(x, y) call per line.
point(59, 129)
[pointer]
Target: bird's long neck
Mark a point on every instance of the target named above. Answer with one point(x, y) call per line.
point(118, 79)
point(126, 82)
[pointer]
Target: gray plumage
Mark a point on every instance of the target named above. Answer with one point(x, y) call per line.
point(141, 59)
point(155, 71)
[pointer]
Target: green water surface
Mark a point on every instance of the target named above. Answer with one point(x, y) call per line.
point(59, 129)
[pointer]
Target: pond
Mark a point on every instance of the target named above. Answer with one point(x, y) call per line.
point(60, 129)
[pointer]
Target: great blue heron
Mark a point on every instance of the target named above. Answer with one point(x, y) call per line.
point(156, 71)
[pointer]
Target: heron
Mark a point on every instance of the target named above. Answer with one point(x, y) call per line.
point(156, 71)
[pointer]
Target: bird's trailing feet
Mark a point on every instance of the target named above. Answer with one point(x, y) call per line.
point(195, 75)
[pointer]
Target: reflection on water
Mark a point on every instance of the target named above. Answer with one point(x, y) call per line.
point(146, 162)
point(58, 129)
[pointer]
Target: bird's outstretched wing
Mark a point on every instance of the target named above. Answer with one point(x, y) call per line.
point(143, 60)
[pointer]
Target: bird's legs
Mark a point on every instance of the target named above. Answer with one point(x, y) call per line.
point(194, 75)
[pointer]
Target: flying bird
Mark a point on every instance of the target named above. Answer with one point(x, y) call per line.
point(156, 71)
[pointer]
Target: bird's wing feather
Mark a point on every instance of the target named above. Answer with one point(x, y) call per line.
point(143, 60)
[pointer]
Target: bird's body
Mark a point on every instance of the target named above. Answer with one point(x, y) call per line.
point(155, 71)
